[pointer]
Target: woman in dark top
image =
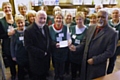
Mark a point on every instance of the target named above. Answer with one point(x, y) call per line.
point(18, 52)
point(58, 33)
point(77, 33)
point(7, 26)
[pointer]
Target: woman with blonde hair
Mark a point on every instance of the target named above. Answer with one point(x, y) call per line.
point(93, 19)
point(77, 33)
point(55, 10)
point(58, 33)
point(31, 16)
point(7, 25)
point(23, 11)
point(18, 52)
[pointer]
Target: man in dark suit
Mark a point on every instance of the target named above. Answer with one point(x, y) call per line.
point(98, 46)
point(37, 43)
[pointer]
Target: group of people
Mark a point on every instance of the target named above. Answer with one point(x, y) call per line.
point(80, 46)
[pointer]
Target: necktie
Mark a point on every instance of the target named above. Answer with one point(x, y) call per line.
point(97, 31)
point(42, 30)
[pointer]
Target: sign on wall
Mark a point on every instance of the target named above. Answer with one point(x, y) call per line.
point(45, 2)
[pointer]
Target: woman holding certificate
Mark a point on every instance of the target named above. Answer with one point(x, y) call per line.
point(60, 41)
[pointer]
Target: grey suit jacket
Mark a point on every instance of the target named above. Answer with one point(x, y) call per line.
point(100, 48)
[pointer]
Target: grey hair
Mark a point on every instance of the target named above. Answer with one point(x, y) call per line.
point(96, 5)
point(41, 12)
point(113, 9)
point(68, 13)
point(105, 12)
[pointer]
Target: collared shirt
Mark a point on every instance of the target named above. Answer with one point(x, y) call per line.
point(98, 29)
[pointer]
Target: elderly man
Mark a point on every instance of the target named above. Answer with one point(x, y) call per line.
point(98, 45)
point(115, 24)
point(98, 7)
point(37, 43)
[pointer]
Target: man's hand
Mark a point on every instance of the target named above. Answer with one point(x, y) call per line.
point(90, 61)
point(57, 45)
point(14, 59)
point(72, 48)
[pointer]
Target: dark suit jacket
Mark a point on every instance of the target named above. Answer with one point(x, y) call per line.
point(36, 45)
point(100, 48)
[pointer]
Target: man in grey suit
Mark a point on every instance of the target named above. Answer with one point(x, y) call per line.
point(98, 45)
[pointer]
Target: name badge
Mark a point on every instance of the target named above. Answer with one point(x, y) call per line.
point(21, 38)
point(73, 36)
point(61, 35)
point(114, 29)
point(77, 41)
point(59, 38)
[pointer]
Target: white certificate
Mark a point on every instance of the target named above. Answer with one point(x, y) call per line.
point(63, 43)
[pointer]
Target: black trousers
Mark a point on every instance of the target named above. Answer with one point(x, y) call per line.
point(12, 65)
point(38, 77)
point(67, 64)
point(112, 61)
point(59, 69)
point(111, 64)
point(22, 71)
point(74, 69)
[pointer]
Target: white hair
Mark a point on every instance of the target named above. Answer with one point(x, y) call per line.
point(68, 13)
point(96, 5)
point(113, 9)
point(104, 10)
point(41, 12)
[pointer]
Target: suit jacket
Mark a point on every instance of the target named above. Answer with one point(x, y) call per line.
point(37, 44)
point(100, 48)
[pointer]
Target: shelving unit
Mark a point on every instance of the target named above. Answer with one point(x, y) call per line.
point(69, 6)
